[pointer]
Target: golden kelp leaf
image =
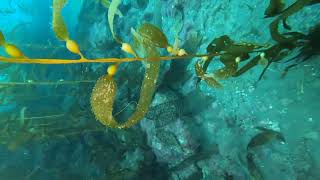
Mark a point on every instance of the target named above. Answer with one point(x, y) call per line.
point(111, 12)
point(59, 4)
point(154, 35)
point(138, 44)
point(60, 28)
point(58, 24)
point(2, 40)
point(148, 88)
point(102, 98)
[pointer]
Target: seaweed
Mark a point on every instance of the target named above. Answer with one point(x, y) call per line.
point(210, 80)
point(106, 4)
point(58, 24)
point(152, 34)
point(237, 58)
point(103, 93)
point(60, 29)
point(311, 47)
point(113, 8)
point(291, 40)
point(295, 7)
point(231, 54)
point(275, 8)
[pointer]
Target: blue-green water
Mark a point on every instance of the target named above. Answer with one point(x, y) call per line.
point(225, 122)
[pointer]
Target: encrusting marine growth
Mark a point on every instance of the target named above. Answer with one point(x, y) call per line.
point(147, 40)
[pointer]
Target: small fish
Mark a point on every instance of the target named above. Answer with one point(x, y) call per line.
point(264, 137)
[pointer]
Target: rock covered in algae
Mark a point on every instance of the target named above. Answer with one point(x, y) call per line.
point(102, 98)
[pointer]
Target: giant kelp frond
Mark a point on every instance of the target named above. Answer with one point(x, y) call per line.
point(236, 57)
point(103, 94)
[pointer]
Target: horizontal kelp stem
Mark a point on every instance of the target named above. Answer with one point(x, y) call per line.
point(45, 117)
point(102, 60)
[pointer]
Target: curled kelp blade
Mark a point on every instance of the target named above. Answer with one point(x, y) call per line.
point(264, 137)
